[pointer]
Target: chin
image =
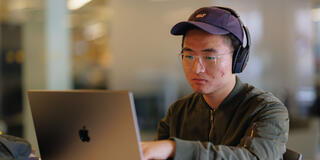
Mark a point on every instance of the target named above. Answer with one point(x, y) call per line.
point(201, 90)
point(205, 90)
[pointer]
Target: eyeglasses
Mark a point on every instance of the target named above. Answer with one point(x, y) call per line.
point(188, 59)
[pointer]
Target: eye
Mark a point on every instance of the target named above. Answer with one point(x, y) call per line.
point(210, 57)
point(189, 57)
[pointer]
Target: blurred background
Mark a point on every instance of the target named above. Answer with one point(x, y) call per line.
point(126, 45)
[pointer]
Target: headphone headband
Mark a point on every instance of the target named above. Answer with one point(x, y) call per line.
point(241, 55)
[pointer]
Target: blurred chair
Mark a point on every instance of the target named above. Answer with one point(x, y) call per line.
point(291, 155)
point(304, 136)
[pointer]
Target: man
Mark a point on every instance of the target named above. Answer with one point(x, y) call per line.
point(224, 118)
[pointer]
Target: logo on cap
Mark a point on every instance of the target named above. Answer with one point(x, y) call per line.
point(201, 15)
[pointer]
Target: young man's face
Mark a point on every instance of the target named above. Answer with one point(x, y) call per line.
point(207, 61)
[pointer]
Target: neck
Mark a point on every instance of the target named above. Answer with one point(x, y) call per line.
point(216, 98)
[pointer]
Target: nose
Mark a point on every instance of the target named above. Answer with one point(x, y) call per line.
point(198, 66)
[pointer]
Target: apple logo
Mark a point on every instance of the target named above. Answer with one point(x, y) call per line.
point(84, 134)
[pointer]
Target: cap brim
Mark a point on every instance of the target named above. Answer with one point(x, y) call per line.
point(182, 27)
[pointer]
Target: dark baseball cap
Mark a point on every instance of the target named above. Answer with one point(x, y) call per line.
point(213, 20)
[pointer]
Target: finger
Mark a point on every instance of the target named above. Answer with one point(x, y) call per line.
point(146, 153)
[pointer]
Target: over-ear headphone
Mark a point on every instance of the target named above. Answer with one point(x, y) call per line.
point(241, 55)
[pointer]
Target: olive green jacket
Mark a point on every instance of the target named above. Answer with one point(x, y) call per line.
point(248, 124)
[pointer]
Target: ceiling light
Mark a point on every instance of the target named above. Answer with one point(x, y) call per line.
point(76, 4)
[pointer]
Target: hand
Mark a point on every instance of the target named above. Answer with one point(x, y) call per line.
point(162, 149)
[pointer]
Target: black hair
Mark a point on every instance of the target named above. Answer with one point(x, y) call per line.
point(235, 42)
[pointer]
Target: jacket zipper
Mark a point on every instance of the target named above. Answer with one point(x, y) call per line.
point(211, 123)
point(251, 134)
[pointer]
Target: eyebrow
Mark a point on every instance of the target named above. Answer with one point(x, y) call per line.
point(207, 50)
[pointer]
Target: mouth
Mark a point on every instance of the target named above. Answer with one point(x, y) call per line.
point(199, 80)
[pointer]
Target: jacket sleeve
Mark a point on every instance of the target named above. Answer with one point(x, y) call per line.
point(163, 131)
point(264, 139)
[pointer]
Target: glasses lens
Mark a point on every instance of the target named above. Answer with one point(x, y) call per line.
point(188, 60)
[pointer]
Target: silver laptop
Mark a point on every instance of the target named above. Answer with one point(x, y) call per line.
point(82, 125)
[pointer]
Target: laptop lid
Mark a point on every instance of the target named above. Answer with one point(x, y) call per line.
point(85, 125)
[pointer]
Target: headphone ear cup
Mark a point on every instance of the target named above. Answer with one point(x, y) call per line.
point(240, 60)
point(244, 59)
point(234, 60)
